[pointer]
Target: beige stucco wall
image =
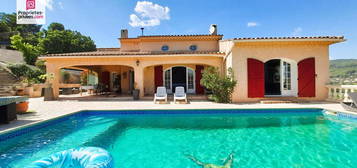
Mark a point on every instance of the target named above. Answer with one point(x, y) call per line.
point(236, 54)
point(149, 82)
point(277, 50)
point(129, 46)
point(174, 45)
point(142, 78)
point(180, 45)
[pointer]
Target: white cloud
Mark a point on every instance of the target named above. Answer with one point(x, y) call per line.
point(148, 14)
point(49, 4)
point(60, 4)
point(252, 24)
point(297, 31)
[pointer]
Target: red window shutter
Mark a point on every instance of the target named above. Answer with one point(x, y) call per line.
point(158, 76)
point(199, 87)
point(256, 86)
point(306, 78)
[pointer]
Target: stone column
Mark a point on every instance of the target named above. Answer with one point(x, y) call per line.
point(54, 71)
point(139, 79)
point(330, 89)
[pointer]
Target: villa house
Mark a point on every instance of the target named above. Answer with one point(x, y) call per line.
point(264, 67)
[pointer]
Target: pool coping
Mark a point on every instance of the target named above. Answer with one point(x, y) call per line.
point(60, 118)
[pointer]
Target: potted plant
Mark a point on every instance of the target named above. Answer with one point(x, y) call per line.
point(20, 91)
point(136, 92)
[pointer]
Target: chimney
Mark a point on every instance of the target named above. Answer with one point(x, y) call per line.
point(142, 31)
point(213, 29)
point(124, 33)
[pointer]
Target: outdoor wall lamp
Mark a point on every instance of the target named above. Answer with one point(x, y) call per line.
point(137, 62)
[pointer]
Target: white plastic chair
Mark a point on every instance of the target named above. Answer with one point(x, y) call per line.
point(160, 94)
point(180, 94)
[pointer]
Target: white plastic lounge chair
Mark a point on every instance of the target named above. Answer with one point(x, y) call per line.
point(180, 94)
point(351, 106)
point(160, 94)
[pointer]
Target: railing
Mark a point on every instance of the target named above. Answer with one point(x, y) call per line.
point(339, 92)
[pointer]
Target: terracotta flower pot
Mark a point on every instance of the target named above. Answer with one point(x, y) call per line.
point(20, 92)
point(22, 107)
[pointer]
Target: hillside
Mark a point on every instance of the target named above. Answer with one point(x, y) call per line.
point(343, 70)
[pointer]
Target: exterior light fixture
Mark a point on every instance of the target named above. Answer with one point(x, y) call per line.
point(137, 62)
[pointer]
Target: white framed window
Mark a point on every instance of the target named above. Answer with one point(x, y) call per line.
point(190, 79)
point(168, 79)
point(287, 76)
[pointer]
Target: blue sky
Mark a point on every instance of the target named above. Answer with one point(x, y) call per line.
point(103, 19)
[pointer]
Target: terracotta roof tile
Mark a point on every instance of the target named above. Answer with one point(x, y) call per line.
point(108, 49)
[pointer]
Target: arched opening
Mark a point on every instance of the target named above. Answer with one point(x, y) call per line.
point(280, 76)
point(98, 79)
point(173, 75)
point(179, 76)
point(272, 77)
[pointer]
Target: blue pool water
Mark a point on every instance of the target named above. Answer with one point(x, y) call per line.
point(306, 138)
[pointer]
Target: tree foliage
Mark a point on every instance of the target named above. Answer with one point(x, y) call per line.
point(32, 42)
point(65, 41)
point(30, 52)
point(8, 24)
point(4, 27)
point(222, 87)
point(8, 28)
point(55, 26)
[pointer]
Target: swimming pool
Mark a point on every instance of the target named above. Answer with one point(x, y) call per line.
point(164, 138)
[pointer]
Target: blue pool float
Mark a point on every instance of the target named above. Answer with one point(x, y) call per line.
point(85, 157)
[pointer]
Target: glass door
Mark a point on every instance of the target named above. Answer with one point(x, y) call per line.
point(167, 80)
point(190, 81)
point(288, 78)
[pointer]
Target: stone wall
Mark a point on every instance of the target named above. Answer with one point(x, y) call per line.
point(10, 56)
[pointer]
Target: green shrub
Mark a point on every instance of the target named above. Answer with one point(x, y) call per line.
point(222, 87)
point(34, 75)
point(41, 64)
point(19, 70)
point(28, 73)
